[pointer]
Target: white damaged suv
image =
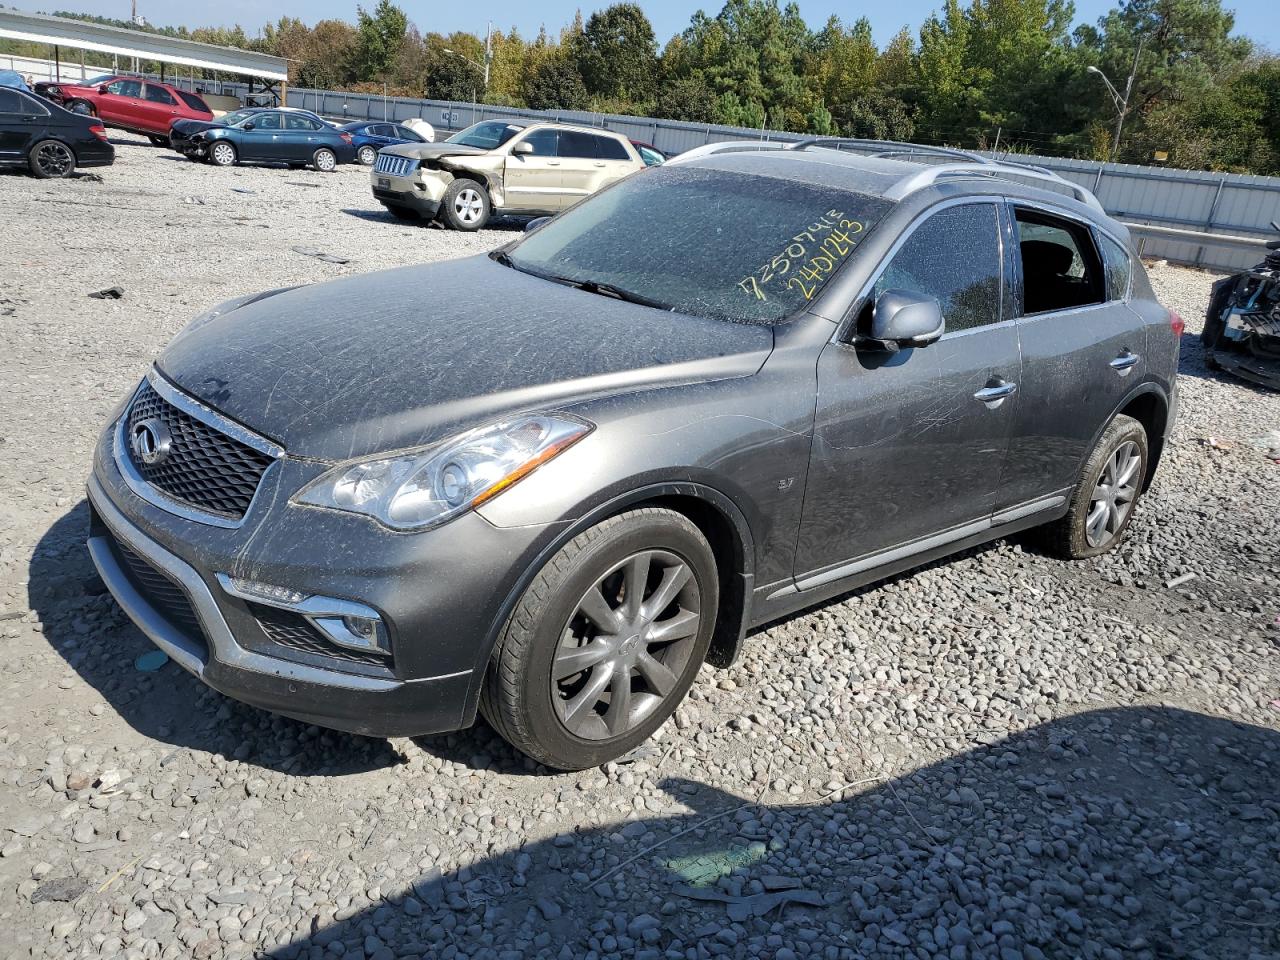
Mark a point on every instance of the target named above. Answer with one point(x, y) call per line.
point(499, 168)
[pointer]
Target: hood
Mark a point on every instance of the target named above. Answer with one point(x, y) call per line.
point(434, 151)
point(404, 357)
point(189, 126)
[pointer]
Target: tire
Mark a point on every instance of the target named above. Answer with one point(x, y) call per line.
point(51, 160)
point(82, 107)
point(465, 205)
point(158, 141)
point(567, 724)
point(367, 155)
point(223, 154)
point(1074, 536)
point(325, 160)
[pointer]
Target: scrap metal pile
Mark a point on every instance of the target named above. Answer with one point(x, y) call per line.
point(1242, 326)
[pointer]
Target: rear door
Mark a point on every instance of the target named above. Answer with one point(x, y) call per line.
point(534, 181)
point(158, 109)
point(909, 446)
point(591, 162)
point(21, 124)
point(122, 104)
point(1082, 347)
point(300, 139)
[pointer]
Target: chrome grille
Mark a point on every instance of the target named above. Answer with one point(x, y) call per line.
point(394, 165)
point(205, 469)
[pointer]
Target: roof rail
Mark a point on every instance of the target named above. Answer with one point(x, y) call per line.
point(884, 148)
point(990, 168)
point(727, 146)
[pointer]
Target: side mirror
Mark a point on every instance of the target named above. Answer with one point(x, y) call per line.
point(906, 318)
point(103, 89)
point(524, 146)
point(535, 223)
point(247, 125)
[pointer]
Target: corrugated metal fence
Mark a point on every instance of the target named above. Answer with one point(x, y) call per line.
point(1224, 203)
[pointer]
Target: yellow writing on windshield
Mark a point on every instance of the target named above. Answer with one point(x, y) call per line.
point(806, 261)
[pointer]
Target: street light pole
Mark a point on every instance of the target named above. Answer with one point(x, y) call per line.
point(1121, 102)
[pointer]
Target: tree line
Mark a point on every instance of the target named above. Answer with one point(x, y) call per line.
point(978, 73)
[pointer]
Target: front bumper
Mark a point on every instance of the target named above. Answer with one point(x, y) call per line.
point(443, 596)
point(421, 192)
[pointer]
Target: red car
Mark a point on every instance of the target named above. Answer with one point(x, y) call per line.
point(142, 106)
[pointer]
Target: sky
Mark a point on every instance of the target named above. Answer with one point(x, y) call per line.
point(1254, 18)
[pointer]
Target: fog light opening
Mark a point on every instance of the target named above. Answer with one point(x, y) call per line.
point(368, 634)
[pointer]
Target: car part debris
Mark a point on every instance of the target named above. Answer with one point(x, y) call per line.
point(321, 255)
point(1242, 326)
point(61, 890)
point(110, 293)
point(757, 905)
point(1179, 581)
point(151, 661)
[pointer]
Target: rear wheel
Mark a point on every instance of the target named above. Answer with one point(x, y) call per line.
point(465, 205)
point(222, 154)
point(606, 640)
point(367, 155)
point(1106, 493)
point(51, 159)
point(325, 160)
point(158, 141)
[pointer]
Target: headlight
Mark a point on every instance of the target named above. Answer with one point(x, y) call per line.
point(422, 489)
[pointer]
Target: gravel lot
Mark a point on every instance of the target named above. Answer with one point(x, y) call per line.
point(1002, 755)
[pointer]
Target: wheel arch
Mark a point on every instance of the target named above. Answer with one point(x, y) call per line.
point(715, 515)
point(1150, 407)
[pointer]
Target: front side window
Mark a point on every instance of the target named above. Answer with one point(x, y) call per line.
point(712, 243)
point(1118, 266)
point(126, 88)
point(267, 121)
point(160, 95)
point(1060, 267)
point(487, 134)
point(954, 257)
point(543, 143)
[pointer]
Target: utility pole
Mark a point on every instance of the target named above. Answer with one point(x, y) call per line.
point(1121, 102)
point(488, 51)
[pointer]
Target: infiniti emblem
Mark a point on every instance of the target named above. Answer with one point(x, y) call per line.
point(151, 441)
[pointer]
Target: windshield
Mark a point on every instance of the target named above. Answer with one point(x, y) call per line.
point(705, 242)
point(238, 117)
point(97, 81)
point(487, 134)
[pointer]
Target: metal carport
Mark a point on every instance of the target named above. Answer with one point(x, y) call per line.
point(60, 32)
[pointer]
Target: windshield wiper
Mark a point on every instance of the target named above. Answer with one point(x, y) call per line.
point(609, 290)
point(502, 257)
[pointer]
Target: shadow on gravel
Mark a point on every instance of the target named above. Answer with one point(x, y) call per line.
point(1134, 833)
point(83, 623)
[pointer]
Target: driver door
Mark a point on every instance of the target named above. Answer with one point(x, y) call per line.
point(263, 141)
point(909, 447)
point(122, 102)
point(533, 181)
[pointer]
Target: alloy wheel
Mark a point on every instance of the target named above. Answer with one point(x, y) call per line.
point(626, 645)
point(1113, 495)
point(223, 154)
point(55, 159)
point(468, 205)
point(82, 108)
point(326, 161)
point(368, 155)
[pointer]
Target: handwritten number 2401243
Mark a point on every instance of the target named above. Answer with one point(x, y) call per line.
point(834, 247)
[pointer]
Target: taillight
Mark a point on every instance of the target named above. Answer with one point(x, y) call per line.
point(99, 131)
point(1176, 323)
point(346, 137)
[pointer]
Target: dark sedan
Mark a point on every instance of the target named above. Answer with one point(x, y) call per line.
point(47, 139)
point(294, 137)
point(370, 136)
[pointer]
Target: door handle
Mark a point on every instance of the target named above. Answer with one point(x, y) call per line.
point(599, 164)
point(553, 163)
point(996, 392)
point(1122, 363)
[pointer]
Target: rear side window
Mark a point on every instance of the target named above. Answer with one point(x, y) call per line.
point(194, 102)
point(1060, 266)
point(954, 257)
point(575, 144)
point(160, 95)
point(1118, 266)
point(126, 88)
point(11, 101)
point(611, 149)
point(404, 133)
point(295, 122)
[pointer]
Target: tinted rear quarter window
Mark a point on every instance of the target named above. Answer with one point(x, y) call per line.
point(194, 102)
point(11, 101)
point(954, 257)
point(1119, 268)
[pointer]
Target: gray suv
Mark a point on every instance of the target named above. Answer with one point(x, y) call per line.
point(702, 399)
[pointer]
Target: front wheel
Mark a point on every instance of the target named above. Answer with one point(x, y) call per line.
point(82, 107)
point(1105, 495)
point(325, 160)
point(51, 159)
point(465, 205)
point(367, 155)
point(222, 154)
point(606, 640)
point(158, 141)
